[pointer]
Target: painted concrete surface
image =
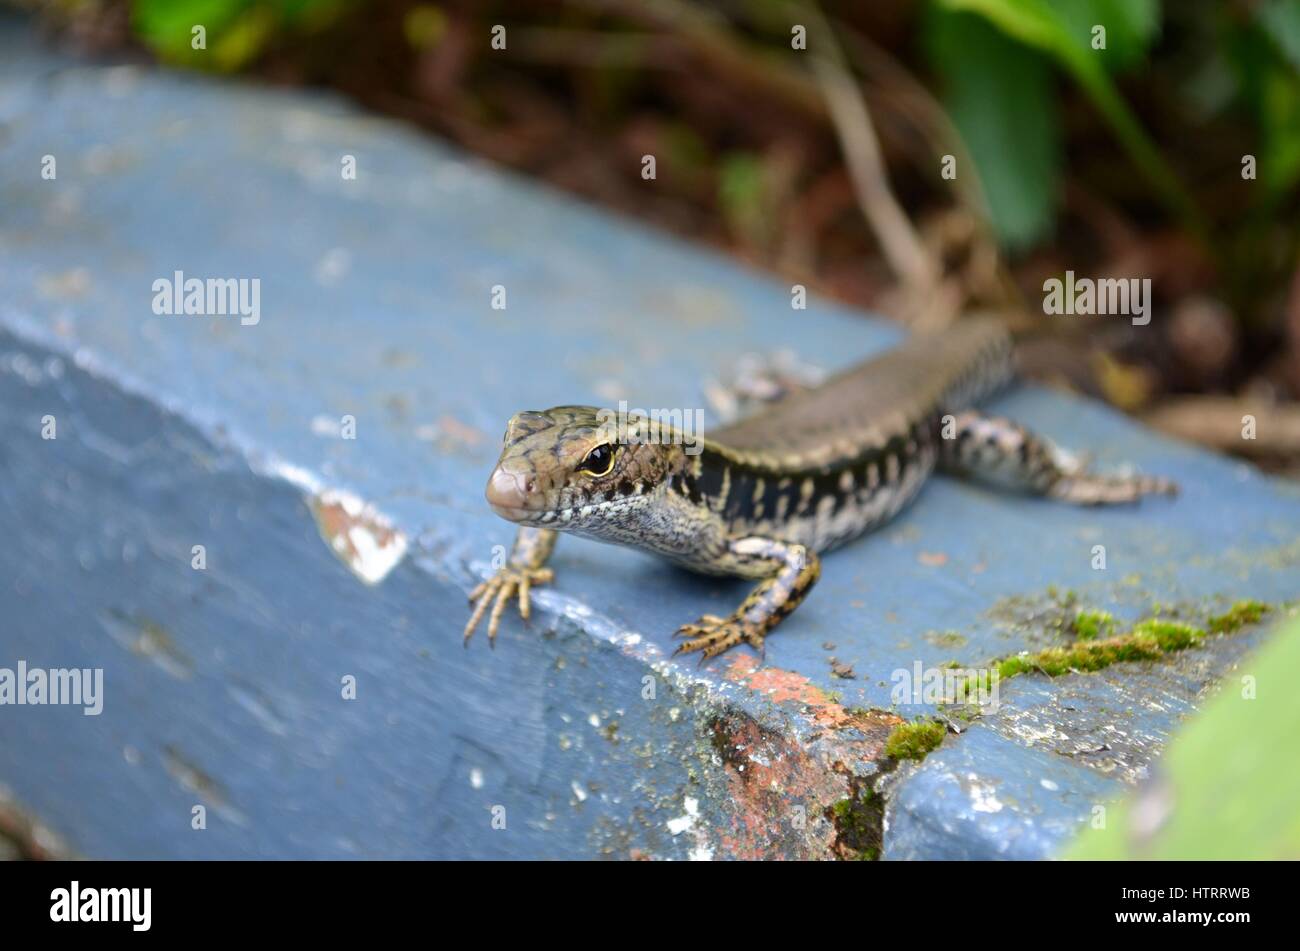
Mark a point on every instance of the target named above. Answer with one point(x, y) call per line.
point(223, 686)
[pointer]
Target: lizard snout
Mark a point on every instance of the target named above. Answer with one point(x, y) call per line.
point(507, 492)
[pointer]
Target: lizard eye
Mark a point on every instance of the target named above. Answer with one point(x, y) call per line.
point(599, 461)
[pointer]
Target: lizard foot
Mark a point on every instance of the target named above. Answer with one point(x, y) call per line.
point(497, 592)
point(1086, 488)
point(712, 635)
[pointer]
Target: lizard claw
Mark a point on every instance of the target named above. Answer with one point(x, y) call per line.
point(497, 592)
point(712, 635)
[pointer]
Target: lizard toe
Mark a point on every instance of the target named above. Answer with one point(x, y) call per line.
point(714, 635)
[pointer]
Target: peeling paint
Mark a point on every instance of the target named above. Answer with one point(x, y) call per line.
point(689, 823)
point(362, 537)
point(783, 687)
point(684, 823)
point(983, 795)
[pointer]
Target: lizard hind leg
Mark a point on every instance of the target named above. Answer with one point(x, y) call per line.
point(794, 571)
point(993, 449)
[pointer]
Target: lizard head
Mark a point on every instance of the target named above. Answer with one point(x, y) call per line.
point(568, 468)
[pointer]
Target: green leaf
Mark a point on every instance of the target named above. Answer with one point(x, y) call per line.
point(167, 25)
point(1053, 28)
point(1280, 113)
point(1268, 89)
point(239, 44)
point(236, 30)
point(1001, 97)
point(1227, 786)
point(1130, 25)
point(1281, 21)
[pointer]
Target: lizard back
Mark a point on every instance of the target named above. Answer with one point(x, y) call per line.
point(825, 465)
point(882, 398)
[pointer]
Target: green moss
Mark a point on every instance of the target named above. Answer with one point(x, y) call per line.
point(1148, 640)
point(859, 825)
point(915, 740)
point(1066, 598)
point(966, 713)
point(1012, 666)
point(1241, 613)
point(1089, 624)
point(1168, 635)
point(1097, 642)
point(946, 639)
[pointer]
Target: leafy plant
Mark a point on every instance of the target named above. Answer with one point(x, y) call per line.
point(235, 32)
point(1001, 98)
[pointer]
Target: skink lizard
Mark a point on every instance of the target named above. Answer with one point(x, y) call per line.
point(761, 498)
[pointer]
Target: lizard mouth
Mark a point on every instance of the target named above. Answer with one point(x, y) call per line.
point(555, 518)
point(512, 514)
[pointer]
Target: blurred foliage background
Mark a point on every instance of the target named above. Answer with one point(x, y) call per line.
point(824, 164)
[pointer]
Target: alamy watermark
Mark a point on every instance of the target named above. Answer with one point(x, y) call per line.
point(59, 686)
point(937, 686)
point(1107, 296)
point(214, 297)
point(75, 903)
point(658, 426)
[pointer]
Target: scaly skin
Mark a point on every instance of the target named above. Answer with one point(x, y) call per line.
point(762, 498)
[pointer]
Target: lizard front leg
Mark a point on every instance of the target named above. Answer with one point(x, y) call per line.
point(792, 571)
point(526, 567)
